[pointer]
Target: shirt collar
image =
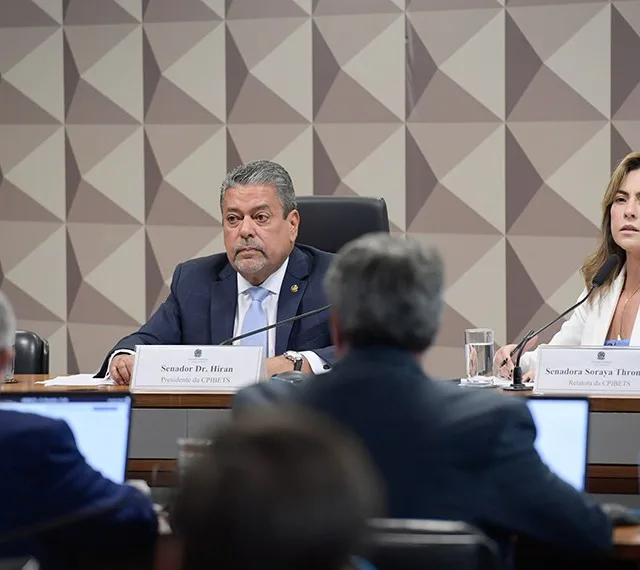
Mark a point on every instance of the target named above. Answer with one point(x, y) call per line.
point(273, 283)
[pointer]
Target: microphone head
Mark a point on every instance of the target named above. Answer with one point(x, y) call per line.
point(607, 267)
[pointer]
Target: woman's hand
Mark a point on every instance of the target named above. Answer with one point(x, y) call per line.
point(503, 355)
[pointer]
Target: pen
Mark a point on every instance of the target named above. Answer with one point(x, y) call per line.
point(510, 355)
point(516, 348)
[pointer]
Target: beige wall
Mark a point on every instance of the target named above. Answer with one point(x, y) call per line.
point(490, 130)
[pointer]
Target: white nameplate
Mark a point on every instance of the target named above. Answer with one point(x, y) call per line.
point(590, 370)
point(196, 369)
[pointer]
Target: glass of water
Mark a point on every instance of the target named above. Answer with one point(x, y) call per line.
point(9, 371)
point(479, 353)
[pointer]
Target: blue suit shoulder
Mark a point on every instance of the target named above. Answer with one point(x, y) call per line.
point(320, 259)
point(19, 426)
point(211, 265)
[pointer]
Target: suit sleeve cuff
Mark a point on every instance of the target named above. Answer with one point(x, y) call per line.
point(120, 351)
point(318, 365)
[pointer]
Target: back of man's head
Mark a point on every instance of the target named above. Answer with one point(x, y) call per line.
point(276, 491)
point(7, 332)
point(385, 291)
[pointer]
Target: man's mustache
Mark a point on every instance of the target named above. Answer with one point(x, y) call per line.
point(239, 247)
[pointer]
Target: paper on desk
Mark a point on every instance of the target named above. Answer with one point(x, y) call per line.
point(499, 382)
point(77, 380)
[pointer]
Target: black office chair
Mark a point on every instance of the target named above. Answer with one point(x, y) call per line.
point(32, 353)
point(329, 222)
point(397, 544)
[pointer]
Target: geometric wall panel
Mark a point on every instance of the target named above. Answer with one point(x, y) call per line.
point(490, 127)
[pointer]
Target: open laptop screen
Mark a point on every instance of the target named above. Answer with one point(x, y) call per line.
point(100, 424)
point(563, 436)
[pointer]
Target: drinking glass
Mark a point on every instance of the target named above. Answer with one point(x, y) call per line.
point(479, 353)
point(8, 373)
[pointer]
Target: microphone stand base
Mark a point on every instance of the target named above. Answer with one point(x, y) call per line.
point(517, 388)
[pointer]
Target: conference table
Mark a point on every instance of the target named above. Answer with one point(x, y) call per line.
point(158, 420)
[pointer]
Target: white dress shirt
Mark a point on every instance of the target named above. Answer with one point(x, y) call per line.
point(273, 283)
point(588, 325)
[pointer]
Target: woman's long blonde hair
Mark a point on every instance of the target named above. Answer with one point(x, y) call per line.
point(607, 245)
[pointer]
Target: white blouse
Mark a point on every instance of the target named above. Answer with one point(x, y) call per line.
point(589, 324)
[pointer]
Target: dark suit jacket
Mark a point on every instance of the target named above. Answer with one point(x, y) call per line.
point(45, 477)
point(201, 307)
point(447, 452)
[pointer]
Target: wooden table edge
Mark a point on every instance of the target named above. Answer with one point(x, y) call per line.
point(607, 404)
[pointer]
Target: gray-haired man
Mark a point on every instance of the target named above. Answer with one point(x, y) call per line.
point(263, 277)
point(443, 452)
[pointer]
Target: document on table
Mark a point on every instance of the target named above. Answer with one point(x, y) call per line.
point(77, 380)
point(499, 382)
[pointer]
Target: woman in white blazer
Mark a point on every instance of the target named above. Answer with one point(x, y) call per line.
point(610, 316)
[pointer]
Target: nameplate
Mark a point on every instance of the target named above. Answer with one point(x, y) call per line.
point(196, 369)
point(604, 370)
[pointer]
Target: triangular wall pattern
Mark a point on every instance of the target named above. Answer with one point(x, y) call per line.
point(490, 127)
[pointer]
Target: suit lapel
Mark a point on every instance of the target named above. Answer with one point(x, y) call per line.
point(291, 292)
point(224, 301)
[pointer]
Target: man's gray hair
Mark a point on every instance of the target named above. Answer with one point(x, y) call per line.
point(387, 291)
point(7, 323)
point(262, 173)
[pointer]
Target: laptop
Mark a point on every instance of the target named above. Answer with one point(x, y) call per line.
point(563, 436)
point(100, 422)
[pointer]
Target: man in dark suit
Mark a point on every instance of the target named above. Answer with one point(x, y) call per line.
point(263, 277)
point(55, 507)
point(443, 451)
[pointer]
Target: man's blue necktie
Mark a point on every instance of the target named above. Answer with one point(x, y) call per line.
point(256, 318)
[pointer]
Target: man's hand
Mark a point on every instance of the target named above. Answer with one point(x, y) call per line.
point(121, 368)
point(279, 364)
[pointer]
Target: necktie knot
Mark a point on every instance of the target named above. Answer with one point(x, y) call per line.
point(258, 294)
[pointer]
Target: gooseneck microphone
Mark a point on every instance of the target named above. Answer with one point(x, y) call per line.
point(276, 324)
point(516, 348)
point(605, 270)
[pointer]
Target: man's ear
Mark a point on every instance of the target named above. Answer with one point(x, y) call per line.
point(294, 223)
